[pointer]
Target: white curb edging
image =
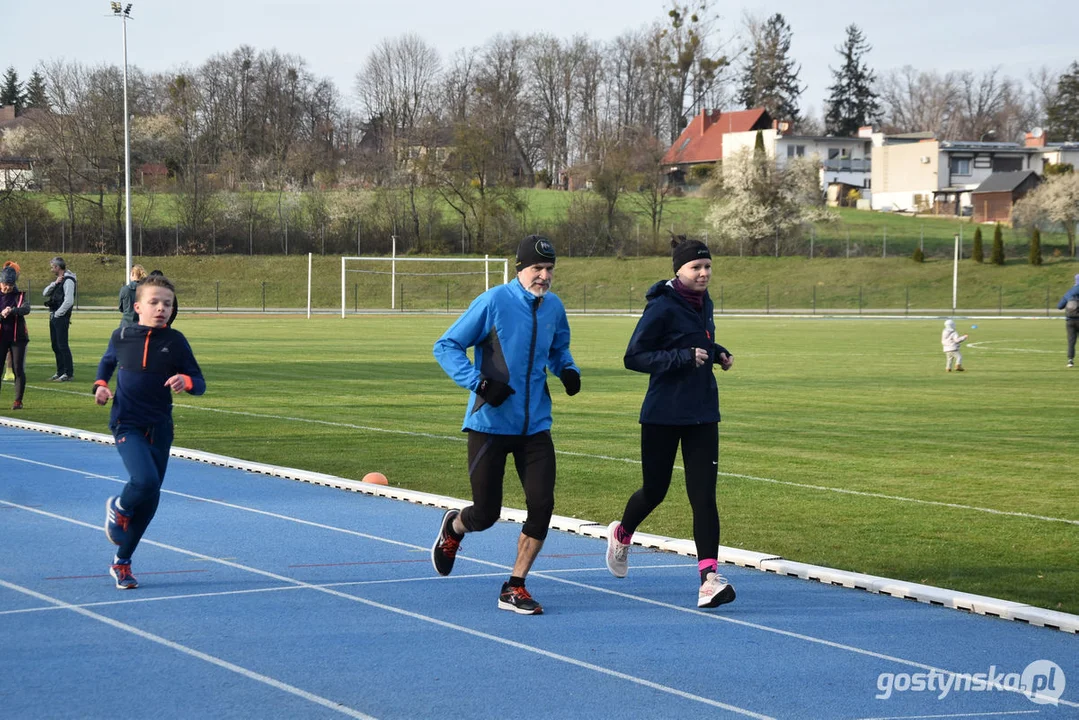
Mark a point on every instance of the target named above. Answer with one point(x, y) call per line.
point(980, 604)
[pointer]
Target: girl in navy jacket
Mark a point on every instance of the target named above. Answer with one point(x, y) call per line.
point(674, 343)
point(14, 307)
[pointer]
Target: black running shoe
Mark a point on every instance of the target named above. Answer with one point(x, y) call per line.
point(444, 551)
point(518, 600)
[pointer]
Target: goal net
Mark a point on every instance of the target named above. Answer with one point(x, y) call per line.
point(417, 283)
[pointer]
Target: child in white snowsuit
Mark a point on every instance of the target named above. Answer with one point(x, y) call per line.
point(951, 340)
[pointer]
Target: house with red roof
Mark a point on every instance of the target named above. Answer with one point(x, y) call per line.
point(701, 143)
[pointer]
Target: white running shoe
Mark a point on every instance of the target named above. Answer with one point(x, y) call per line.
point(715, 591)
point(617, 553)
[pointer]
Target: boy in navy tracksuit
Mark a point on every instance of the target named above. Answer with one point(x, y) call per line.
point(674, 343)
point(153, 360)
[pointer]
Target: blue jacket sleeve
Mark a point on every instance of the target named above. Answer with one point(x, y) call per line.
point(559, 357)
point(107, 366)
point(1074, 292)
point(466, 331)
point(644, 354)
point(190, 367)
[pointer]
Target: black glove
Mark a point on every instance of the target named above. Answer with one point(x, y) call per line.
point(571, 380)
point(494, 392)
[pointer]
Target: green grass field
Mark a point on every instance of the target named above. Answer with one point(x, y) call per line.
point(822, 418)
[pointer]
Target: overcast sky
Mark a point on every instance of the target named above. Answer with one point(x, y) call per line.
point(335, 36)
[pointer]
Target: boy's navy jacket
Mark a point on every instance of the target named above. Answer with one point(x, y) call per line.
point(679, 392)
point(1073, 293)
point(146, 357)
point(517, 338)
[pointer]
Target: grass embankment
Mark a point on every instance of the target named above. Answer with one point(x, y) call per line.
point(585, 284)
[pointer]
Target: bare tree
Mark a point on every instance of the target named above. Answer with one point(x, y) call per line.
point(553, 65)
point(917, 101)
point(982, 97)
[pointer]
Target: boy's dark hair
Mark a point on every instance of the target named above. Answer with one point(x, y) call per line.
point(154, 281)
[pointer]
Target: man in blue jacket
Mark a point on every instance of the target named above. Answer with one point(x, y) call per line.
point(518, 331)
point(1070, 305)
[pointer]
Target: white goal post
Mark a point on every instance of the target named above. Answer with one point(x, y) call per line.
point(393, 271)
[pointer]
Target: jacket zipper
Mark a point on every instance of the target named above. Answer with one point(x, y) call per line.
point(146, 348)
point(531, 355)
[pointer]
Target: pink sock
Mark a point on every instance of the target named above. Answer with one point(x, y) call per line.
point(707, 566)
point(622, 536)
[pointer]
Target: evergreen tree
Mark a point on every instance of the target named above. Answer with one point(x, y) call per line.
point(1063, 114)
point(758, 143)
point(11, 92)
point(977, 253)
point(852, 103)
point(770, 76)
point(36, 96)
point(1035, 247)
point(998, 247)
point(918, 255)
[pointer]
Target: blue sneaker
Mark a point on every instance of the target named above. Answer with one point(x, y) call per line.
point(116, 523)
point(121, 573)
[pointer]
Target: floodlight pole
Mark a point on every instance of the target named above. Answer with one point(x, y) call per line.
point(124, 14)
point(955, 275)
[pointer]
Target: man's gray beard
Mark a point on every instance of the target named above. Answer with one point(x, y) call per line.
point(539, 291)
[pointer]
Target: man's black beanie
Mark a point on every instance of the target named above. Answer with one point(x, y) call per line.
point(532, 250)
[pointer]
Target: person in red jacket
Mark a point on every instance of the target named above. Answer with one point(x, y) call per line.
point(14, 307)
point(154, 361)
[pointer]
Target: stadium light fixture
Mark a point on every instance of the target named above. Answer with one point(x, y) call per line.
point(124, 13)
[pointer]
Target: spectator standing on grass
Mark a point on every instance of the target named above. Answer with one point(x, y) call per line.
point(127, 296)
point(176, 303)
point(14, 307)
point(518, 332)
point(674, 343)
point(60, 300)
point(951, 340)
point(1070, 305)
point(154, 361)
point(9, 360)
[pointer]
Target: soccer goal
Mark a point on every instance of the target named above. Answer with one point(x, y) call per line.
point(387, 274)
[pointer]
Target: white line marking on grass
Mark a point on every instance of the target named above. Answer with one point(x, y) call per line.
point(631, 461)
point(370, 603)
point(535, 573)
point(981, 345)
point(231, 667)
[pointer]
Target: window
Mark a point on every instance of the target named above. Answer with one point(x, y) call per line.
point(959, 165)
point(796, 151)
point(1007, 164)
point(833, 153)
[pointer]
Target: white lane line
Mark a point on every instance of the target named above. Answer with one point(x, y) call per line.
point(279, 588)
point(231, 667)
point(535, 573)
point(398, 611)
point(1002, 713)
point(630, 461)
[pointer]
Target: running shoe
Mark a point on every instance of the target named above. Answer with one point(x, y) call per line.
point(116, 522)
point(715, 591)
point(617, 553)
point(444, 551)
point(121, 573)
point(518, 600)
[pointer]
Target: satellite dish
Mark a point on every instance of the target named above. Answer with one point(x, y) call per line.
point(1036, 132)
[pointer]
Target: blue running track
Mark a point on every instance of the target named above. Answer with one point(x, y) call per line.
point(262, 597)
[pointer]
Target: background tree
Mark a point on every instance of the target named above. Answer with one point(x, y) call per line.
point(763, 208)
point(770, 75)
point(853, 101)
point(12, 91)
point(36, 95)
point(692, 66)
point(1035, 246)
point(1063, 113)
point(997, 258)
point(1054, 202)
point(916, 101)
point(977, 252)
